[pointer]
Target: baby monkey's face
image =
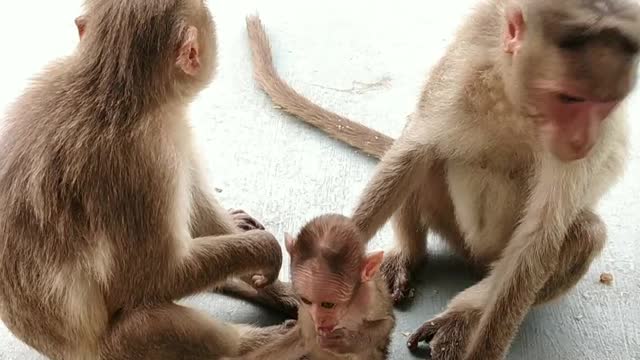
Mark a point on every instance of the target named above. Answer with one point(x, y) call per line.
point(331, 296)
point(326, 296)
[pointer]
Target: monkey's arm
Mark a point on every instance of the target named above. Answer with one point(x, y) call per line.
point(530, 258)
point(210, 260)
point(397, 175)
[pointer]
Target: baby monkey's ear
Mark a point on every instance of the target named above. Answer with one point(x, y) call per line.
point(189, 53)
point(371, 265)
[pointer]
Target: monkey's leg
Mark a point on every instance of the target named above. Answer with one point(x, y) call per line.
point(535, 272)
point(450, 332)
point(410, 237)
point(172, 332)
point(428, 209)
point(584, 242)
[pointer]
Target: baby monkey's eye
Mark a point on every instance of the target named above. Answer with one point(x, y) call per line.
point(568, 99)
point(328, 305)
point(307, 302)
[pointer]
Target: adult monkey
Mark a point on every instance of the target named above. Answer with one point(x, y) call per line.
point(105, 218)
point(517, 135)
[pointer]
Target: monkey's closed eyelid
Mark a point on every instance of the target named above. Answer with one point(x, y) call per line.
point(305, 301)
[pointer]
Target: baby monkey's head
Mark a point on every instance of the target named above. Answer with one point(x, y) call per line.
point(329, 266)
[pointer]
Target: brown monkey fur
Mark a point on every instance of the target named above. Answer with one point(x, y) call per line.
point(105, 217)
point(520, 130)
point(345, 309)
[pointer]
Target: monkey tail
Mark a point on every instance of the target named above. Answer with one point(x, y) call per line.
point(288, 100)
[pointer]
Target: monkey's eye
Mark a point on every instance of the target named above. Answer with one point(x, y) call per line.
point(568, 99)
point(573, 43)
point(304, 300)
point(328, 305)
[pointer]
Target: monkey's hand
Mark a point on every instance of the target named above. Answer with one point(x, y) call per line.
point(269, 274)
point(448, 334)
point(245, 221)
point(397, 269)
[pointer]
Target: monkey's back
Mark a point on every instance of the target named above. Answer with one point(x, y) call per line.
point(73, 195)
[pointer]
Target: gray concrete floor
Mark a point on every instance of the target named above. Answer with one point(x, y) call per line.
point(366, 60)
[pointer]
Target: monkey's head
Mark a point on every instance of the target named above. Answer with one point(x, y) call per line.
point(163, 46)
point(328, 268)
point(569, 64)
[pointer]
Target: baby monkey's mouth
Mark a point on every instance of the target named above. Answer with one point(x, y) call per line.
point(327, 334)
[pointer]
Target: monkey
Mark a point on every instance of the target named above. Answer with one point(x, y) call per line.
point(346, 310)
point(106, 220)
point(519, 131)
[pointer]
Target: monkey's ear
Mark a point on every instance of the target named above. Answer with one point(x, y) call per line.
point(371, 265)
point(81, 25)
point(514, 35)
point(189, 52)
point(289, 240)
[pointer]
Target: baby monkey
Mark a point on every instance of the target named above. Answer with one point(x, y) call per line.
point(346, 310)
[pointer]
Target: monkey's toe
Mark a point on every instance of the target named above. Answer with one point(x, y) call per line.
point(397, 273)
point(447, 334)
point(425, 333)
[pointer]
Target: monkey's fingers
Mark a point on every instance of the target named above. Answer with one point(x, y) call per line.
point(425, 333)
point(245, 221)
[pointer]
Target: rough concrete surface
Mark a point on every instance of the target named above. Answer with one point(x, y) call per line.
point(284, 172)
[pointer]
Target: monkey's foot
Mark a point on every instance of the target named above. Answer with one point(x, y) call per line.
point(245, 221)
point(447, 334)
point(396, 269)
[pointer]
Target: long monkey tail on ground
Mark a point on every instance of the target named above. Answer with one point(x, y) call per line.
point(282, 95)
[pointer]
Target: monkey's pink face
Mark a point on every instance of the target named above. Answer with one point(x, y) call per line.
point(327, 298)
point(572, 121)
point(573, 83)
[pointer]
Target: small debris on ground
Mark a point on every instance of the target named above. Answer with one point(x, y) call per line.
point(218, 190)
point(412, 293)
point(406, 334)
point(606, 278)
